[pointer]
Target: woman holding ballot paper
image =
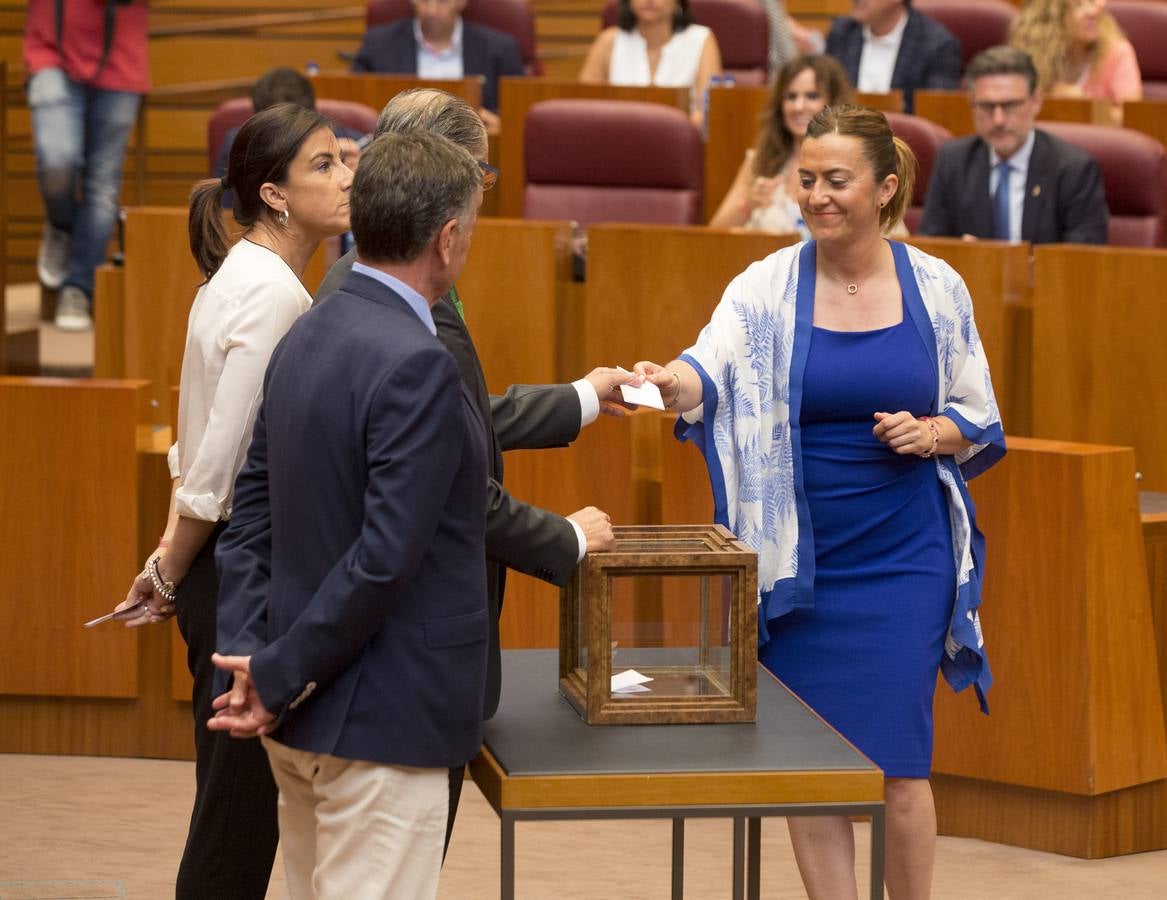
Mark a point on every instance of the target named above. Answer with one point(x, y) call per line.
point(841, 398)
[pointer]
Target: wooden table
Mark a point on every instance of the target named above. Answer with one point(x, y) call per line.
point(539, 761)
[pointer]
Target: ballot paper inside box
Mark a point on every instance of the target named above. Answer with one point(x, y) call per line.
point(663, 629)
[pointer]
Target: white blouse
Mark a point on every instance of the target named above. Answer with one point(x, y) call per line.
point(679, 58)
point(236, 321)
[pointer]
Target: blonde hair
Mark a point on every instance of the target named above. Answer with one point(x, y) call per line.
point(1041, 30)
point(886, 153)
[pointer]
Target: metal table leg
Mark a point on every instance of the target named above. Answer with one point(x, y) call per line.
point(507, 863)
point(878, 822)
point(678, 859)
point(754, 860)
point(739, 852)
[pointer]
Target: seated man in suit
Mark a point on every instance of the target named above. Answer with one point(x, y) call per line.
point(886, 45)
point(1012, 181)
point(353, 601)
point(438, 43)
point(518, 536)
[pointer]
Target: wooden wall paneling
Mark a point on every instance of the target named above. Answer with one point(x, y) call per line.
point(947, 108)
point(69, 523)
point(1098, 326)
point(1076, 703)
point(733, 121)
point(1147, 116)
point(514, 311)
point(652, 288)
point(998, 278)
point(517, 95)
point(1154, 517)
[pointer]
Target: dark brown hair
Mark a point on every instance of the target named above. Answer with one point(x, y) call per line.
point(775, 142)
point(682, 18)
point(886, 153)
point(263, 149)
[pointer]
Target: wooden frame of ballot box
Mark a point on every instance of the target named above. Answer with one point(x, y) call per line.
point(689, 687)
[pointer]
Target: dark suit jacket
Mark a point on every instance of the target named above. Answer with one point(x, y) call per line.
point(351, 568)
point(530, 417)
point(485, 52)
point(1064, 198)
point(929, 57)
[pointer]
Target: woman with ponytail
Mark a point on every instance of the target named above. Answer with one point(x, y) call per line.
point(841, 398)
point(291, 191)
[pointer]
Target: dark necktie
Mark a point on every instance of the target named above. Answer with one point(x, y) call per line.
point(1001, 203)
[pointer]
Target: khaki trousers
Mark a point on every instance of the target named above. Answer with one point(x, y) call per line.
point(354, 830)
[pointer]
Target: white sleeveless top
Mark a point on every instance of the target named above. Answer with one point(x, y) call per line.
point(679, 58)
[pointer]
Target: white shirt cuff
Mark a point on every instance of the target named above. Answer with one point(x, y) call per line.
point(589, 407)
point(579, 536)
point(172, 461)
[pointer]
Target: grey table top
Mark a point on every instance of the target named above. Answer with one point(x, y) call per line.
point(536, 732)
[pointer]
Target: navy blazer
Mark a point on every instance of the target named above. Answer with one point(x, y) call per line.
point(929, 57)
point(1064, 197)
point(351, 569)
point(485, 52)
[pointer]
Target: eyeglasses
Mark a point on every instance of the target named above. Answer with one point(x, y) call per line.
point(489, 175)
point(1008, 107)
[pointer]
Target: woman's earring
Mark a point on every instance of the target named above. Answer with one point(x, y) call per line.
point(282, 218)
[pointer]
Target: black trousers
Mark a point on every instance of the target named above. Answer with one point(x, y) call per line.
point(233, 833)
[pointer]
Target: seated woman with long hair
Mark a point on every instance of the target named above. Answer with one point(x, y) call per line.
point(762, 196)
point(655, 42)
point(1079, 51)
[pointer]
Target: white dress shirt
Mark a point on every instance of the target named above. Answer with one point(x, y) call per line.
point(442, 64)
point(877, 60)
point(1018, 175)
point(236, 321)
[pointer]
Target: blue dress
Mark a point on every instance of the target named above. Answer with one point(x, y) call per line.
point(866, 657)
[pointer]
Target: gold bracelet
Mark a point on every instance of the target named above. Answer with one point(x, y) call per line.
point(678, 396)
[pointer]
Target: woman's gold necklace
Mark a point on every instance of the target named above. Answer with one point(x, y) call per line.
point(852, 287)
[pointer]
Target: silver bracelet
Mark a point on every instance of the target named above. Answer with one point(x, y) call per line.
point(164, 589)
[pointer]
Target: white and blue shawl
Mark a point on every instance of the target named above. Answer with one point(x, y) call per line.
point(751, 358)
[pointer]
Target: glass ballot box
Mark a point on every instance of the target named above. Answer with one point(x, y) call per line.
point(663, 629)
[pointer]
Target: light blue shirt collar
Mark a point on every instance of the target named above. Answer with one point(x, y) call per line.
point(433, 63)
point(1019, 161)
point(416, 301)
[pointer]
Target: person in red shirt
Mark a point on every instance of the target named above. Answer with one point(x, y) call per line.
point(88, 69)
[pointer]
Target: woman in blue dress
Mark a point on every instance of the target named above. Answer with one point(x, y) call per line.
point(841, 398)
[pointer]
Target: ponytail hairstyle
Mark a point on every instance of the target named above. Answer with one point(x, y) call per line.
point(886, 153)
point(262, 151)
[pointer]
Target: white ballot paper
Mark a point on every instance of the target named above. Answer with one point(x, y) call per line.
point(630, 682)
point(647, 394)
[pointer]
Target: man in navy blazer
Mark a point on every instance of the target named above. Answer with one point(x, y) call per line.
point(439, 43)
point(1053, 192)
point(886, 45)
point(352, 607)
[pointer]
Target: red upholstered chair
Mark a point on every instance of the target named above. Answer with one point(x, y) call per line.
point(1145, 24)
point(233, 113)
point(612, 161)
point(513, 17)
point(925, 138)
point(741, 29)
point(1134, 173)
point(977, 24)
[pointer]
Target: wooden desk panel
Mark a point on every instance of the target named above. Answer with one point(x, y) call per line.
point(69, 528)
point(1147, 116)
point(651, 289)
point(1098, 326)
point(952, 110)
point(514, 310)
point(377, 89)
point(1154, 517)
point(517, 95)
point(998, 278)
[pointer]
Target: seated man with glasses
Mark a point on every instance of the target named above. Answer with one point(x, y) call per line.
point(1011, 181)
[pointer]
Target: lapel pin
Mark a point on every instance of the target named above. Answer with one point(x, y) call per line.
point(1036, 190)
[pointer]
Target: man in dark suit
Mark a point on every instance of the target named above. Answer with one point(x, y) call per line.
point(886, 45)
point(1012, 181)
point(353, 607)
point(439, 43)
point(518, 536)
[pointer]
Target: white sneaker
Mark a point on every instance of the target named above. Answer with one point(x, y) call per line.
point(73, 310)
point(52, 260)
